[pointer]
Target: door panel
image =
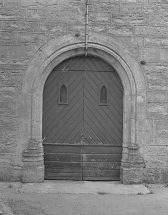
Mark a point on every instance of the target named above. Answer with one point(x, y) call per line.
point(83, 138)
point(101, 162)
point(58, 118)
point(63, 162)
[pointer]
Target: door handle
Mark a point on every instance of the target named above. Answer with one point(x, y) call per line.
point(82, 138)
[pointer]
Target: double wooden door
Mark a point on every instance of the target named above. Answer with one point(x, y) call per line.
point(82, 121)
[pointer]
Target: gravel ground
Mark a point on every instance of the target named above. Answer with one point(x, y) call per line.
point(155, 203)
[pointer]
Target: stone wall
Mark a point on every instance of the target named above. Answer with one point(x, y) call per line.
point(139, 25)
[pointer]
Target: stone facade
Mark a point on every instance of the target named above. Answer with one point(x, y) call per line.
point(35, 35)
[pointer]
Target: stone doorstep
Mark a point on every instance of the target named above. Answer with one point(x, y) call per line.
point(85, 187)
point(75, 187)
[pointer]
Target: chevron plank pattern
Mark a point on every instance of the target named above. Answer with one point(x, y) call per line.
point(83, 122)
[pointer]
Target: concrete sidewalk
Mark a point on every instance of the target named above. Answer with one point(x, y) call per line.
point(69, 187)
point(84, 198)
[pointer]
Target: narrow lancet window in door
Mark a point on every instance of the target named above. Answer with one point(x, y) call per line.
point(63, 94)
point(103, 95)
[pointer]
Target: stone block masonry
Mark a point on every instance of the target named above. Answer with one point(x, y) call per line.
point(141, 26)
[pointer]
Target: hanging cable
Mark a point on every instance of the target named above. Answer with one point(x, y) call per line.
point(86, 28)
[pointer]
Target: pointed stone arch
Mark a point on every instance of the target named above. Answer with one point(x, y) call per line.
point(44, 61)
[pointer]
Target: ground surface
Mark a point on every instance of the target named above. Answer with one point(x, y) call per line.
point(98, 203)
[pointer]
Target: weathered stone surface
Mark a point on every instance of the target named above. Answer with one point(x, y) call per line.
point(100, 17)
point(33, 168)
point(30, 49)
point(157, 81)
point(164, 174)
point(8, 144)
point(33, 175)
point(157, 1)
point(12, 13)
point(160, 161)
point(54, 2)
point(58, 30)
point(157, 20)
point(20, 25)
point(122, 30)
point(130, 42)
point(157, 96)
point(130, 8)
point(152, 175)
point(160, 140)
point(145, 136)
point(1, 3)
point(10, 25)
point(9, 78)
point(131, 1)
point(12, 51)
point(161, 127)
point(28, 37)
point(12, 3)
point(131, 18)
point(71, 14)
point(151, 30)
point(163, 55)
point(148, 8)
point(139, 26)
point(97, 28)
point(134, 51)
point(155, 175)
point(35, 3)
point(131, 175)
point(8, 173)
point(157, 110)
point(8, 37)
point(104, 6)
point(158, 150)
point(150, 54)
point(155, 68)
point(162, 8)
point(153, 54)
point(76, 28)
point(36, 14)
point(162, 42)
point(8, 125)
point(8, 108)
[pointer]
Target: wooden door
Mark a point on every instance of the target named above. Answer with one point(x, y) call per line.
point(82, 121)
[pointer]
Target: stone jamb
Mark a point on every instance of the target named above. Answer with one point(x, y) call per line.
point(49, 56)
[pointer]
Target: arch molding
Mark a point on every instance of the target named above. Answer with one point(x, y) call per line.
point(134, 102)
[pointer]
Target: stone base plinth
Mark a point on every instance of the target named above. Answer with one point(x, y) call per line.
point(131, 175)
point(32, 174)
point(33, 162)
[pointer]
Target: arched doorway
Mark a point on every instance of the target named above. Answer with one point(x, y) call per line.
point(83, 120)
point(31, 102)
